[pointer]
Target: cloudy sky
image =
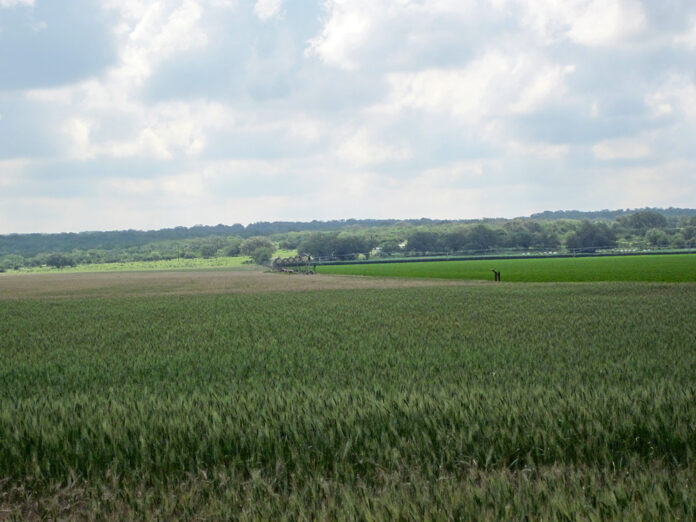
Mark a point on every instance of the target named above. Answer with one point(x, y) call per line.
point(146, 114)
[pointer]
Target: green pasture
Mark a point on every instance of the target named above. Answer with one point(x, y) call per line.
point(466, 402)
point(657, 268)
point(238, 263)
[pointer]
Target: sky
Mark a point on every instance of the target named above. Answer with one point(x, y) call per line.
point(118, 114)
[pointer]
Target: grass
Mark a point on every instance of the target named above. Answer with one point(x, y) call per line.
point(664, 268)
point(456, 401)
point(239, 263)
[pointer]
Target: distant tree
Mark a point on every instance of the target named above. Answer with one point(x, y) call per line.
point(250, 245)
point(677, 241)
point(591, 236)
point(12, 262)
point(262, 255)
point(545, 239)
point(208, 251)
point(424, 241)
point(455, 240)
point(389, 247)
point(481, 237)
point(517, 235)
point(231, 248)
point(345, 246)
point(290, 242)
point(657, 237)
point(36, 261)
point(59, 260)
point(317, 244)
point(689, 232)
point(645, 219)
point(94, 256)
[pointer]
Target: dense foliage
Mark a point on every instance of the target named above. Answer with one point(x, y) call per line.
point(490, 401)
point(30, 245)
point(670, 212)
point(352, 238)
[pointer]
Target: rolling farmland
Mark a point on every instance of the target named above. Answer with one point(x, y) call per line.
point(288, 396)
point(666, 268)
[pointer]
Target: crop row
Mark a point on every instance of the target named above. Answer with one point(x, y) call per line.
point(649, 268)
point(353, 389)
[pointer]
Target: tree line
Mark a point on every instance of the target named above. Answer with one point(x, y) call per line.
point(351, 239)
point(640, 229)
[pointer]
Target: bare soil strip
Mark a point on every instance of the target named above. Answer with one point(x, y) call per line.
point(120, 284)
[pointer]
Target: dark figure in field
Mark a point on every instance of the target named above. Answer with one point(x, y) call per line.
point(496, 274)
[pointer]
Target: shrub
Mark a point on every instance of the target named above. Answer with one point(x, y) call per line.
point(249, 246)
point(262, 255)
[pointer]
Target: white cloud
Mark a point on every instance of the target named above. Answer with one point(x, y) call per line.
point(687, 39)
point(13, 3)
point(493, 85)
point(353, 29)
point(539, 150)
point(11, 171)
point(159, 34)
point(267, 9)
point(344, 32)
point(148, 34)
point(171, 129)
point(387, 114)
point(363, 148)
point(594, 23)
point(659, 104)
point(77, 131)
point(547, 84)
point(677, 95)
point(645, 186)
point(433, 193)
point(623, 148)
point(164, 131)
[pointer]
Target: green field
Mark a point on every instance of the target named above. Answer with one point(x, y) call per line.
point(664, 268)
point(238, 263)
point(465, 401)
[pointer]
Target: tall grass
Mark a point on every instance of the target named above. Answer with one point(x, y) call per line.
point(461, 402)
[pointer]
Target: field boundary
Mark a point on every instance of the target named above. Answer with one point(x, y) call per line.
point(319, 262)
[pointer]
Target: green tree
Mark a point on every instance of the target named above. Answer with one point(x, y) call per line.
point(317, 244)
point(591, 236)
point(677, 241)
point(59, 260)
point(250, 245)
point(481, 237)
point(389, 247)
point(424, 241)
point(12, 262)
point(455, 240)
point(517, 235)
point(208, 251)
point(347, 246)
point(232, 245)
point(657, 237)
point(262, 255)
point(645, 219)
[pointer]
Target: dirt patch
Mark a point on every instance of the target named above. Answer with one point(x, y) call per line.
point(122, 284)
